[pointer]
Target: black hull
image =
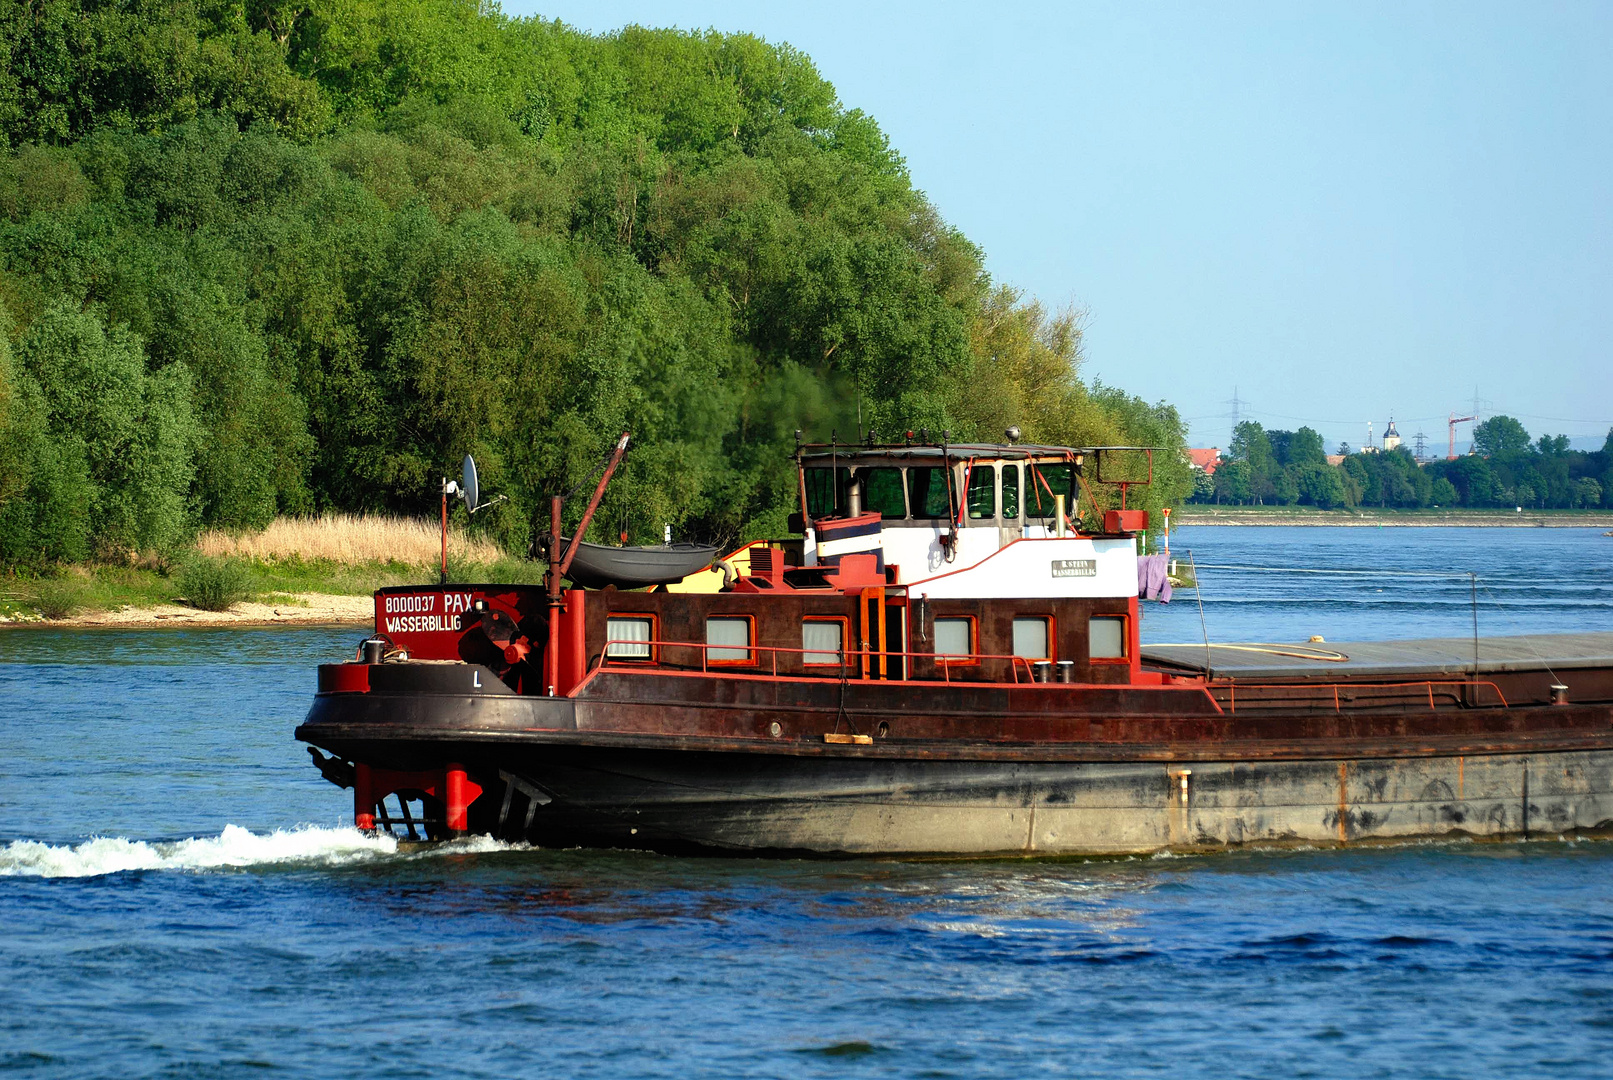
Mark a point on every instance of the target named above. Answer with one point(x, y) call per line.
point(551, 784)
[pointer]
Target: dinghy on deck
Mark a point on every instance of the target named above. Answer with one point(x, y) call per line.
point(597, 565)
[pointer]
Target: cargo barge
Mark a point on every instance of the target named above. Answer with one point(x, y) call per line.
point(946, 663)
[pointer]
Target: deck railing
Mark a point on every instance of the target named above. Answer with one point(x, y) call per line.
point(849, 666)
point(945, 661)
point(1232, 687)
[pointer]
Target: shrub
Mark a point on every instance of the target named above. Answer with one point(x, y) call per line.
point(57, 598)
point(214, 584)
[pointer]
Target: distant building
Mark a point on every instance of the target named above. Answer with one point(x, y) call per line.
point(1335, 459)
point(1205, 460)
point(1391, 437)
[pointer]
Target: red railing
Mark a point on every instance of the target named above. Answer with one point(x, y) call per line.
point(945, 661)
point(1232, 689)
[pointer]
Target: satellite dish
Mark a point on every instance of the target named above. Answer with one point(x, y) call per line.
point(469, 489)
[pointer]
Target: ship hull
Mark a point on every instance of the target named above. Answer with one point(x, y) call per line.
point(681, 801)
point(549, 782)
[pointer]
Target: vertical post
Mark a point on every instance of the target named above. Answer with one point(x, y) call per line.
point(576, 639)
point(883, 646)
point(551, 656)
point(1198, 594)
point(1473, 583)
point(444, 579)
point(363, 798)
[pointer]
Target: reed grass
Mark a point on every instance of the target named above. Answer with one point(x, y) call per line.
point(350, 539)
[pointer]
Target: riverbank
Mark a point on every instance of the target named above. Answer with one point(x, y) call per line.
point(296, 572)
point(1365, 517)
point(294, 609)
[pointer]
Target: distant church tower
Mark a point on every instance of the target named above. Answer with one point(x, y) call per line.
point(1391, 437)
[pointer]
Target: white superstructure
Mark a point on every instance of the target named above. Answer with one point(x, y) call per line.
point(965, 521)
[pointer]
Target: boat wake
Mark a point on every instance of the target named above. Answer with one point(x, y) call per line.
point(234, 848)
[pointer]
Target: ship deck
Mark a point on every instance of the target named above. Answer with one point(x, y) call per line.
point(1351, 660)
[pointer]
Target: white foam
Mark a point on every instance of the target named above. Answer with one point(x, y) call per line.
point(235, 847)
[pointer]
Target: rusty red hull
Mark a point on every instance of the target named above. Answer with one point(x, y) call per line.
point(681, 762)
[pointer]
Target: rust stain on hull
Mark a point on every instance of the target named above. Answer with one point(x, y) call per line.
point(1344, 801)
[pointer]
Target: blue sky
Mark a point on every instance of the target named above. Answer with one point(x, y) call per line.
point(1341, 212)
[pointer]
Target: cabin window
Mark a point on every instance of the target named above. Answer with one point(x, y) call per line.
point(628, 637)
point(728, 639)
point(1106, 637)
point(955, 639)
point(1031, 638)
point(825, 491)
point(1046, 481)
point(824, 639)
point(929, 488)
point(1010, 492)
point(982, 499)
point(882, 493)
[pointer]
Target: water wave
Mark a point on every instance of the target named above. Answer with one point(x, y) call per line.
point(234, 848)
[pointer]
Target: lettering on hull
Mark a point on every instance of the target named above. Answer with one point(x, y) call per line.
point(425, 613)
point(422, 624)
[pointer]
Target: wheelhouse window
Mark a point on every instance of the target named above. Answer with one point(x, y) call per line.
point(1106, 637)
point(1010, 493)
point(982, 491)
point(928, 487)
point(882, 492)
point(825, 490)
point(1044, 482)
point(628, 637)
point(824, 640)
point(1032, 639)
point(955, 639)
point(728, 639)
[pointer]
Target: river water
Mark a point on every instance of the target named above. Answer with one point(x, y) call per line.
point(179, 895)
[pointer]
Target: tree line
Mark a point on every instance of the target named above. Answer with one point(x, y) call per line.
point(276, 258)
point(1505, 468)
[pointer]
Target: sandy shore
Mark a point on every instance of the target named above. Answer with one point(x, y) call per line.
point(309, 609)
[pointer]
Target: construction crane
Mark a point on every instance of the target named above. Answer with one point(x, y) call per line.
point(1450, 454)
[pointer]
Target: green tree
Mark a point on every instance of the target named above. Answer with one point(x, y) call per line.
point(1233, 483)
point(1307, 448)
point(1285, 485)
point(1250, 445)
point(272, 258)
point(1321, 485)
point(133, 432)
point(1500, 437)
